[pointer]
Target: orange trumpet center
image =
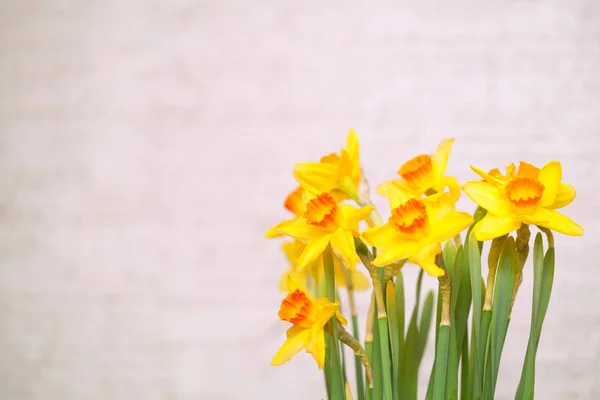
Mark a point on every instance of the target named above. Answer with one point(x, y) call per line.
point(410, 217)
point(524, 194)
point(294, 203)
point(297, 309)
point(418, 172)
point(323, 211)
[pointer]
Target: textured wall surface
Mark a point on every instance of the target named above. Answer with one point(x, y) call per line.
point(145, 146)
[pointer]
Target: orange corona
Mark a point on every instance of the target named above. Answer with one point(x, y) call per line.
point(524, 194)
point(418, 171)
point(410, 217)
point(323, 211)
point(297, 309)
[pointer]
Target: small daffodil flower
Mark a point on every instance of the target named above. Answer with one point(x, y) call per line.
point(293, 250)
point(424, 173)
point(529, 196)
point(338, 174)
point(324, 223)
point(308, 318)
point(416, 228)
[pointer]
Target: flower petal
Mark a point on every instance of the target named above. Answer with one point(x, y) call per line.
point(342, 243)
point(316, 345)
point(398, 194)
point(488, 177)
point(487, 196)
point(325, 310)
point(360, 281)
point(321, 176)
point(352, 148)
point(492, 226)
point(452, 184)
point(313, 249)
point(297, 339)
point(550, 176)
point(299, 229)
point(450, 226)
point(353, 215)
point(400, 250)
point(298, 281)
point(382, 236)
point(425, 258)
point(554, 220)
point(564, 197)
point(440, 157)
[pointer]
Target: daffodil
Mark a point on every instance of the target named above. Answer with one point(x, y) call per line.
point(308, 318)
point(338, 174)
point(425, 173)
point(529, 196)
point(564, 196)
point(316, 270)
point(416, 228)
point(324, 223)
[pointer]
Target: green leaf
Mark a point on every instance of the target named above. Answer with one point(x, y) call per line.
point(425, 323)
point(500, 312)
point(474, 256)
point(441, 362)
point(409, 371)
point(376, 353)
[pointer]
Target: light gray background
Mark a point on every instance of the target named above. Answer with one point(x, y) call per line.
point(145, 147)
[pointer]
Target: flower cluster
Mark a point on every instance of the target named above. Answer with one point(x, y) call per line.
point(333, 222)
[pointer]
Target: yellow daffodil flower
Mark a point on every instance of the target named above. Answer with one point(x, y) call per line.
point(337, 174)
point(565, 195)
point(316, 270)
point(324, 223)
point(308, 318)
point(425, 173)
point(531, 196)
point(416, 228)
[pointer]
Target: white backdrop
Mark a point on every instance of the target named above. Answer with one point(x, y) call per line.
point(145, 147)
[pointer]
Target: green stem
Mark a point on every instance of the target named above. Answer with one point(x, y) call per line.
point(337, 384)
point(382, 322)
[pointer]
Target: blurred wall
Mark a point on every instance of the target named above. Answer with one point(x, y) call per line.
point(145, 147)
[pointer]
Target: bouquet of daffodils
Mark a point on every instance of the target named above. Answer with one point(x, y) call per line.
point(424, 228)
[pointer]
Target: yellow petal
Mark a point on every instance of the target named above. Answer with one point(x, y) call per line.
point(325, 310)
point(450, 226)
point(348, 392)
point(398, 194)
point(439, 205)
point(453, 187)
point(440, 157)
point(486, 176)
point(297, 339)
point(321, 176)
point(492, 226)
point(353, 215)
point(564, 197)
point(425, 258)
point(488, 196)
point(352, 146)
point(361, 282)
point(298, 281)
point(550, 176)
point(554, 220)
point(316, 345)
point(299, 229)
point(313, 249)
point(382, 236)
point(342, 243)
point(399, 251)
point(340, 317)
